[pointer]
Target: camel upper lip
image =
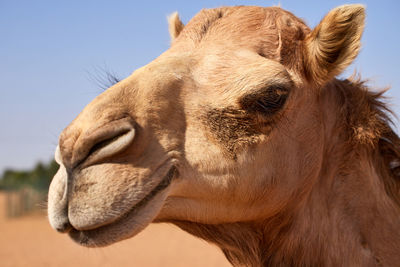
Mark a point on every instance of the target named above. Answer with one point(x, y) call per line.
point(163, 184)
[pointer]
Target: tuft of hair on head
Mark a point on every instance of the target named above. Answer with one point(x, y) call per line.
point(334, 43)
point(103, 77)
point(175, 25)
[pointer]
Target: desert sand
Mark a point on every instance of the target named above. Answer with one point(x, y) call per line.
point(29, 241)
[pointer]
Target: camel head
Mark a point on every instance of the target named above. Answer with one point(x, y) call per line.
point(223, 127)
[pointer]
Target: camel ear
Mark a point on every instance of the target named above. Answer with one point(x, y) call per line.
point(175, 25)
point(334, 43)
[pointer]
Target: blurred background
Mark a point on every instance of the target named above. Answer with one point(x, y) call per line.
point(54, 59)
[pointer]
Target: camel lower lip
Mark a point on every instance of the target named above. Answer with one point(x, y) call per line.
point(83, 236)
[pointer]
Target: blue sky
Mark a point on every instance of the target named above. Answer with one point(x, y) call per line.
point(47, 49)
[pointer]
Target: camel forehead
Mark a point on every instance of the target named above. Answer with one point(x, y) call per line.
point(258, 28)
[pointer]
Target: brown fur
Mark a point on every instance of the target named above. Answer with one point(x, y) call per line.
point(241, 135)
point(232, 128)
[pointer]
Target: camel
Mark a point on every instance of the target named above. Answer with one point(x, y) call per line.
point(241, 134)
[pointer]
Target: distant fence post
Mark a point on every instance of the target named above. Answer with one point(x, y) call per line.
point(24, 201)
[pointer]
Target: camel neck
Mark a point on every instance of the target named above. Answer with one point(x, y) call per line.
point(346, 220)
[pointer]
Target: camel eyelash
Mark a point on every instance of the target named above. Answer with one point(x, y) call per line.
point(268, 101)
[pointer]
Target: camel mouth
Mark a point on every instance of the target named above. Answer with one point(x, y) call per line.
point(107, 234)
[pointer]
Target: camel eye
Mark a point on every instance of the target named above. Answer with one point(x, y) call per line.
point(268, 101)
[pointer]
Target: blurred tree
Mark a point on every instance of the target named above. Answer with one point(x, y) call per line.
point(38, 178)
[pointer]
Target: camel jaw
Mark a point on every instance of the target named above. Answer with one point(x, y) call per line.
point(129, 224)
point(104, 231)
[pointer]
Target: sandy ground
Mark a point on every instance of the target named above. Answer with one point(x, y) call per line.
point(29, 241)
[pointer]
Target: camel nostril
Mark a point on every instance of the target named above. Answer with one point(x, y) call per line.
point(114, 144)
point(95, 143)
